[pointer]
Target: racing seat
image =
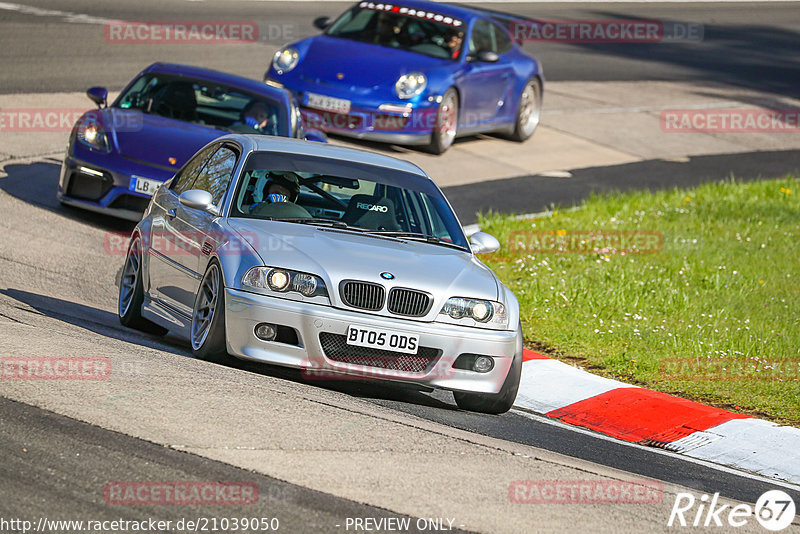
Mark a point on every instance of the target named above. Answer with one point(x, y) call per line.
point(177, 100)
point(380, 216)
point(357, 207)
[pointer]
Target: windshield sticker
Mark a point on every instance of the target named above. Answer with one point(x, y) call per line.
point(410, 12)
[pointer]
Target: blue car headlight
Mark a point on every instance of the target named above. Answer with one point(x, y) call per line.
point(474, 312)
point(285, 60)
point(410, 85)
point(91, 134)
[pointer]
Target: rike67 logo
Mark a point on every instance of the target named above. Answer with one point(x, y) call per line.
point(774, 510)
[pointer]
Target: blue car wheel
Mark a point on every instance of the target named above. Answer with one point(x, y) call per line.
point(528, 111)
point(446, 126)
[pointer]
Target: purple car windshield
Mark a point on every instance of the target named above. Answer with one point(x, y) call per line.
point(203, 102)
point(424, 32)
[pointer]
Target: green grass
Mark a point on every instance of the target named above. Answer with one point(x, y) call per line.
point(714, 316)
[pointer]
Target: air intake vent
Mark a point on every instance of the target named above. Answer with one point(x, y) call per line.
point(409, 302)
point(336, 348)
point(362, 295)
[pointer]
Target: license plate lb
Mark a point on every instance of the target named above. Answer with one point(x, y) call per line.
point(144, 185)
point(375, 338)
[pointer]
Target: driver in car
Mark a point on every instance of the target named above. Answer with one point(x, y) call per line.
point(280, 194)
point(388, 28)
point(454, 41)
point(257, 116)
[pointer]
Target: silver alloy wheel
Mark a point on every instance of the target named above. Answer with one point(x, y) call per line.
point(130, 277)
point(530, 109)
point(447, 120)
point(204, 307)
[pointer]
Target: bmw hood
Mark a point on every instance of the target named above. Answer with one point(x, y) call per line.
point(154, 140)
point(347, 63)
point(337, 255)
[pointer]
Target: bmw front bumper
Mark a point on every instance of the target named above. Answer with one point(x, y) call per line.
point(317, 325)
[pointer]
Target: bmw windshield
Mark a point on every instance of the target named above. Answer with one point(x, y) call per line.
point(423, 32)
point(340, 194)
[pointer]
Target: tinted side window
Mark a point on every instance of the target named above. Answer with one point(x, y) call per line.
point(481, 38)
point(184, 181)
point(502, 39)
point(216, 175)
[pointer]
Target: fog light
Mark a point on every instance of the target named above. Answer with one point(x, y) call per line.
point(483, 364)
point(266, 331)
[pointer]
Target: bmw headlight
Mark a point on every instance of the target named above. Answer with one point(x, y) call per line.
point(284, 281)
point(285, 60)
point(91, 134)
point(410, 85)
point(460, 310)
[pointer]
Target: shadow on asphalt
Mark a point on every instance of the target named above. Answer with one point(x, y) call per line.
point(747, 55)
point(398, 150)
point(106, 324)
point(36, 183)
point(534, 193)
point(95, 320)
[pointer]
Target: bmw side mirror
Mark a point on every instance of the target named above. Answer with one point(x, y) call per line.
point(486, 56)
point(322, 23)
point(483, 243)
point(99, 96)
point(198, 199)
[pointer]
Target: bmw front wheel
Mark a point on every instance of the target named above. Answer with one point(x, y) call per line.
point(503, 400)
point(208, 317)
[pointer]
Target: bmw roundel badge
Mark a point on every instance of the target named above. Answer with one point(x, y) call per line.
point(387, 276)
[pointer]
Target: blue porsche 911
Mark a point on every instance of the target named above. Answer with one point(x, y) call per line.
point(414, 73)
point(118, 155)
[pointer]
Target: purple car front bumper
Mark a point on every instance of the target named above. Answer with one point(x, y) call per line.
point(101, 183)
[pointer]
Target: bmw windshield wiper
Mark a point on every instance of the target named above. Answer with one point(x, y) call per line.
point(317, 222)
point(421, 237)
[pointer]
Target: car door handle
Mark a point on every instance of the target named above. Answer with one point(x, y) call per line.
point(172, 213)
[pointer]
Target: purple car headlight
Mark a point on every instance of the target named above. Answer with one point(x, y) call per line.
point(410, 85)
point(91, 134)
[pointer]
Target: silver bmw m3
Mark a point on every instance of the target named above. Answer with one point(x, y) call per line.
point(339, 262)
